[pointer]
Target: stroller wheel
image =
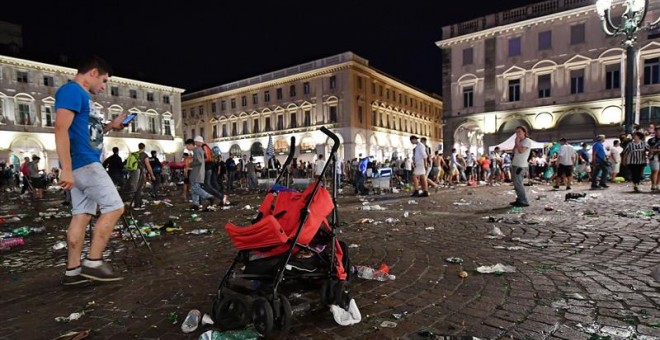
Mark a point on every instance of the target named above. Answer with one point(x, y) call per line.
point(230, 312)
point(342, 294)
point(328, 292)
point(262, 316)
point(283, 320)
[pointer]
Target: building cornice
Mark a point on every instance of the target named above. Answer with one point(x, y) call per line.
point(517, 25)
point(349, 65)
point(72, 72)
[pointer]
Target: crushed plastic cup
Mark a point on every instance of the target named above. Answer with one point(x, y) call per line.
point(497, 269)
point(207, 320)
point(388, 324)
point(454, 260)
point(59, 245)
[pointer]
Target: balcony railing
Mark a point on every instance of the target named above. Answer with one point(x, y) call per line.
point(512, 16)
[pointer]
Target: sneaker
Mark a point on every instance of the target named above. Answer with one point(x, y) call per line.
point(595, 187)
point(424, 194)
point(195, 207)
point(568, 188)
point(636, 188)
point(604, 186)
point(415, 194)
point(100, 273)
point(521, 204)
point(556, 187)
point(77, 280)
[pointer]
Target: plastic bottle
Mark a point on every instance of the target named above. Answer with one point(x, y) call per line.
point(22, 231)
point(37, 230)
point(11, 242)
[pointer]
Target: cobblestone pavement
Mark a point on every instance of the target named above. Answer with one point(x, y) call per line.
point(583, 269)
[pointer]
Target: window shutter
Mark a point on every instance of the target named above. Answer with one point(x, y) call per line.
point(43, 115)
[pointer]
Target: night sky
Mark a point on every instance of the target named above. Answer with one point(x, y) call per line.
point(194, 44)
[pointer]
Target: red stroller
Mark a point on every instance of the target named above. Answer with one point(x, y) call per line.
point(290, 242)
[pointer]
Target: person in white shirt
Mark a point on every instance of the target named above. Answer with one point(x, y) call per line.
point(565, 159)
point(407, 169)
point(520, 165)
point(419, 170)
point(339, 167)
point(320, 164)
point(615, 158)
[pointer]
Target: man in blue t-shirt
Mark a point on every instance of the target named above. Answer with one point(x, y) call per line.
point(79, 131)
point(599, 164)
point(361, 176)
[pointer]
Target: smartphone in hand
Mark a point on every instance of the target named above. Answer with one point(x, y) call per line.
point(129, 118)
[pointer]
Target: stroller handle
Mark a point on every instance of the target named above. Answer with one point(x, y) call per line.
point(332, 136)
point(292, 151)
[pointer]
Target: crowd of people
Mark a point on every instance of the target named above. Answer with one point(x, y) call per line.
point(93, 186)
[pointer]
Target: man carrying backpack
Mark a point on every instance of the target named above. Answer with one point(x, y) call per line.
point(138, 166)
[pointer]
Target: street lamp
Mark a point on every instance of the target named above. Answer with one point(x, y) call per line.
point(631, 23)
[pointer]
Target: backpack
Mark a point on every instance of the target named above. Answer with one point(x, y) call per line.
point(156, 166)
point(231, 165)
point(133, 161)
point(208, 155)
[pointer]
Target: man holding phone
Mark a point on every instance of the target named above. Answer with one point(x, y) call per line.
point(79, 131)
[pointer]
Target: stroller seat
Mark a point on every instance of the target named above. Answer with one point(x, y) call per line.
point(279, 219)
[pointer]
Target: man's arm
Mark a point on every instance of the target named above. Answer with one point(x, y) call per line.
point(519, 147)
point(63, 146)
point(147, 165)
point(115, 124)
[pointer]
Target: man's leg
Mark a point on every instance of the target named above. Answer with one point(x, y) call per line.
point(102, 231)
point(155, 185)
point(93, 188)
point(518, 177)
point(594, 176)
point(604, 172)
point(425, 184)
point(415, 184)
point(75, 236)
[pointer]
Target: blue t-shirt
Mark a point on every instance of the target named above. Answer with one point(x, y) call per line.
point(599, 152)
point(86, 130)
point(362, 166)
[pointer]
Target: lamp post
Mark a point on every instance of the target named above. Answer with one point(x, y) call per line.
point(631, 23)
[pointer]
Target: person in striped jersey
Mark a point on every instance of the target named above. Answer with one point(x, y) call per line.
point(635, 156)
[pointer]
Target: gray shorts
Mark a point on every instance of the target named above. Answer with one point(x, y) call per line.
point(93, 189)
point(655, 164)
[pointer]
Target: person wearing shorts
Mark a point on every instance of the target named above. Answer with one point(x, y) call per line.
point(420, 186)
point(565, 159)
point(79, 131)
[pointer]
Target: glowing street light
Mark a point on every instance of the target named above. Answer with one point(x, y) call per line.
point(631, 23)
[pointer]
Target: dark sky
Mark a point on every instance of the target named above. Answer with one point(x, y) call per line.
point(194, 44)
